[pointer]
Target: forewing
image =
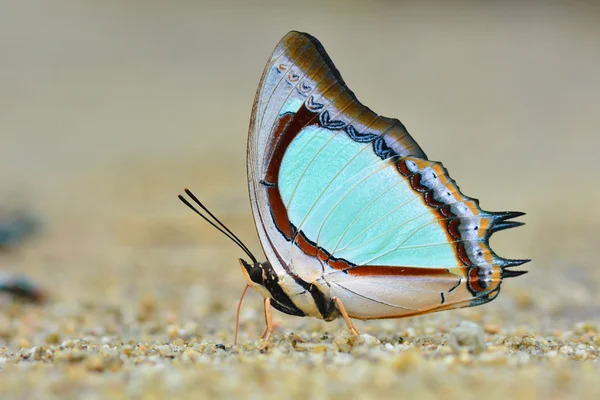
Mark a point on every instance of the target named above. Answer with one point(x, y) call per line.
point(299, 87)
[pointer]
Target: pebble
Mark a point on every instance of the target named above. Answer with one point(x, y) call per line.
point(53, 338)
point(190, 355)
point(566, 350)
point(317, 347)
point(95, 363)
point(467, 335)
point(491, 329)
point(406, 360)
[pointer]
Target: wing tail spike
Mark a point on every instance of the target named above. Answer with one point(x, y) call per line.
point(506, 215)
point(512, 274)
point(500, 226)
point(500, 221)
point(507, 263)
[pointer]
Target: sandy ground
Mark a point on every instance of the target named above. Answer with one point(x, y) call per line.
point(110, 109)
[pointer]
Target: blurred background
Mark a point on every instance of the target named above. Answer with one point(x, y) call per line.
point(109, 109)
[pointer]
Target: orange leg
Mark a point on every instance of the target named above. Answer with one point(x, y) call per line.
point(262, 336)
point(269, 322)
point(340, 306)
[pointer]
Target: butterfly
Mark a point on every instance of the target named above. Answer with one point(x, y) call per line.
point(354, 219)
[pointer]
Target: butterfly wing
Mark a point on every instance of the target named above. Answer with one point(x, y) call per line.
point(299, 81)
point(346, 199)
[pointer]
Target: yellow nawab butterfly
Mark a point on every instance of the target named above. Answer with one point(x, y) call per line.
point(354, 219)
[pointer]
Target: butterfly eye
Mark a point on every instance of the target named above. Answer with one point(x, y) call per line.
point(256, 274)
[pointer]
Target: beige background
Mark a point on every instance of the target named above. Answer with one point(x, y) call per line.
point(109, 109)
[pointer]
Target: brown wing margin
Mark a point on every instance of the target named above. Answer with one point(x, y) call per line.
point(328, 61)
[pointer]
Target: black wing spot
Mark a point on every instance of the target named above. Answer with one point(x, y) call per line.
point(457, 285)
point(267, 184)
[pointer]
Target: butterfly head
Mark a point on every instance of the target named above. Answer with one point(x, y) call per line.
point(256, 275)
point(252, 272)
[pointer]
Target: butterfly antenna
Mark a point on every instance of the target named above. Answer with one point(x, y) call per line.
point(220, 227)
point(237, 315)
point(238, 240)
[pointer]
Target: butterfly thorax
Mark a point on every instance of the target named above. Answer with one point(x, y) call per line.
point(289, 293)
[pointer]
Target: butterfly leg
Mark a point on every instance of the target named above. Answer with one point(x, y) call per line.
point(269, 321)
point(340, 306)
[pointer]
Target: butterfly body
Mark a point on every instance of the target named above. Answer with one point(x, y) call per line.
point(291, 294)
